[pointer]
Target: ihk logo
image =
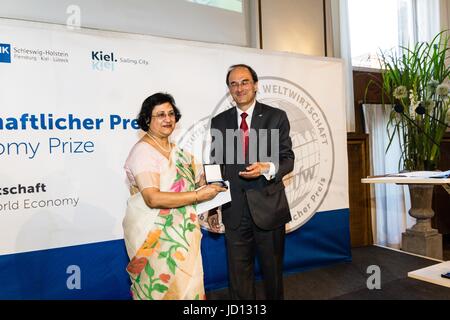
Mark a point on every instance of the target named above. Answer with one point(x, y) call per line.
point(5, 53)
point(102, 61)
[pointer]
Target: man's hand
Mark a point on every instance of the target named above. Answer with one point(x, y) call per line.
point(255, 170)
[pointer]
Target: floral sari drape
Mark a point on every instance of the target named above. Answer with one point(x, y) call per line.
point(164, 244)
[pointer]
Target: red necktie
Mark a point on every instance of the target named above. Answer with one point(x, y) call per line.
point(244, 128)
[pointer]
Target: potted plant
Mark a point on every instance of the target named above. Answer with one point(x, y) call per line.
point(416, 84)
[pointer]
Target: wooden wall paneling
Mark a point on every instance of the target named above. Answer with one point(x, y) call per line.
point(359, 193)
point(359, 161)
point(441, 199)
point(360, 82)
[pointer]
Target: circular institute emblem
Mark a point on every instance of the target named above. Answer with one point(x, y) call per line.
point(312, 142)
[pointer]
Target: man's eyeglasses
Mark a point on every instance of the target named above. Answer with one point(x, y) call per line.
point(243, 83)
point(162, 115)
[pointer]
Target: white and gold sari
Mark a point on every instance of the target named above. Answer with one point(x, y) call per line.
point(163, 244)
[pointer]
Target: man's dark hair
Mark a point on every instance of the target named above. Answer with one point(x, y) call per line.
point(150, 103)
point(250, 69)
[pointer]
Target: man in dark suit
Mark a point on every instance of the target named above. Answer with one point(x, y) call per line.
point(255, 218)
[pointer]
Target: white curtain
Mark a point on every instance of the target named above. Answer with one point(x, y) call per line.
point(418, 21)
point(340, 48)
point(427, 19)
point(390, 202)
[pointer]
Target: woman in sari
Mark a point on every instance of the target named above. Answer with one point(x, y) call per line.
point(161, 230)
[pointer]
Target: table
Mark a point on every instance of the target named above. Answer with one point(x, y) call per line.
point(444, 182)
point(433, 273)
point(421, 238)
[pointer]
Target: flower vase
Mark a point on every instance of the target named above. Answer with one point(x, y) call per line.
point(422, 239)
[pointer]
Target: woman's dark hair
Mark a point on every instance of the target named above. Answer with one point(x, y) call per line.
point(150, 103)
point(250, 69)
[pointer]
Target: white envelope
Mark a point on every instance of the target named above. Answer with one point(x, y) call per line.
point(220, 199)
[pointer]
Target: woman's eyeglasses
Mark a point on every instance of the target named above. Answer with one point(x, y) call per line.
point(162, 115)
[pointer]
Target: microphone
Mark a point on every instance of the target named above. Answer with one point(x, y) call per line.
point(399, 109)
point(420, 110)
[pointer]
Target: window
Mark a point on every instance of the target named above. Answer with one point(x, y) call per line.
point(387, 25)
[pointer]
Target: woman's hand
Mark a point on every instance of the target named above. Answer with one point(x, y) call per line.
point(201, 181)
point(208, 192)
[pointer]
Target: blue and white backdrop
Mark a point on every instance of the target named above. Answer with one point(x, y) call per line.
point(67, 103)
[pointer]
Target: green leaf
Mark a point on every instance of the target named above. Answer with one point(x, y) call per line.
point(169, 221)
point(171, 264)
point(197, 297)
point(191, 227)
point(182, 210)
point(149, 270)
point(160, 287)
point(149, 291)
point(163, 255)
point(181, 155)
point(138, 278)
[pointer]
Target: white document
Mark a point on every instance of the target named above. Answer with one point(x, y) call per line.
point(220, 199)
point(422, 174)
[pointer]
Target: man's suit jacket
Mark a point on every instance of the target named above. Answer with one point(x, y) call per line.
point(266, 199)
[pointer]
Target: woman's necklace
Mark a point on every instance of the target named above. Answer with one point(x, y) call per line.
point(156, 141)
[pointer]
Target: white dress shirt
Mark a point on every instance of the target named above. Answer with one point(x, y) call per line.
point(268, 175)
